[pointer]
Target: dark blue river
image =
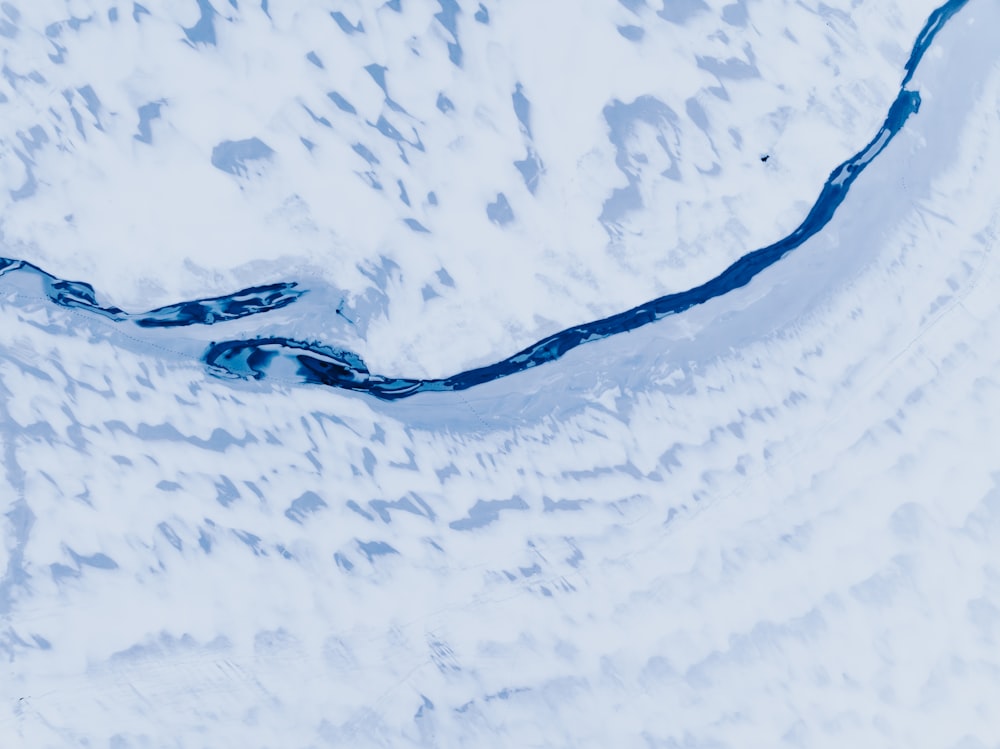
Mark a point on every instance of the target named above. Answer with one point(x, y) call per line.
point(325, 365)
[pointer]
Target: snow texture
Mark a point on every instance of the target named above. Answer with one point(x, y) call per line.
point(486, 374)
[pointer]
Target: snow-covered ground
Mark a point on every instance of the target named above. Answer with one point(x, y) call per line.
point(772, 519)
point(625, 140)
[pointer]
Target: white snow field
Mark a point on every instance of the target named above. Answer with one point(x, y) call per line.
point(772, 519)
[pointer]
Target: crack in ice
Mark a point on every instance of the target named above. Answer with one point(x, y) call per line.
point(317, 363)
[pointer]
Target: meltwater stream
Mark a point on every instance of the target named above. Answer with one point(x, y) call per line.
point(326, 365)
point(80, 295)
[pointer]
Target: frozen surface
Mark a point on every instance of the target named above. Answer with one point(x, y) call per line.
point(769, 519)
point(379, 146)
